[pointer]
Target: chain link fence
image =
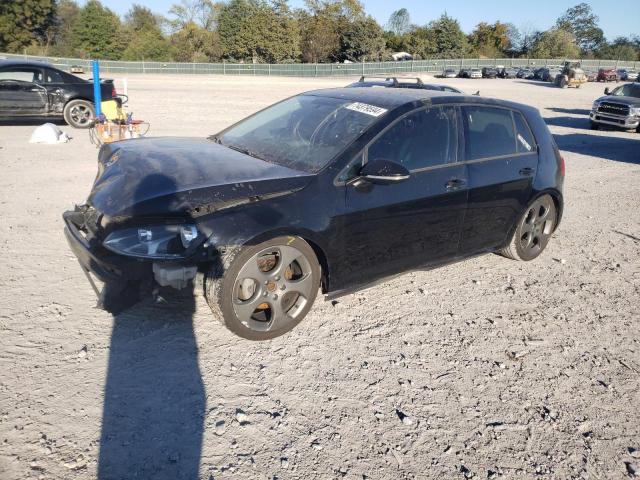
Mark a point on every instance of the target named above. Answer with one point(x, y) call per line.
point(313, 69)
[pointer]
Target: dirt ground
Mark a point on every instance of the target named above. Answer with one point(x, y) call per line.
point(486, 369)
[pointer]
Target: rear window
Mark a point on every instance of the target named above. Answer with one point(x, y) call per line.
point(489, 132)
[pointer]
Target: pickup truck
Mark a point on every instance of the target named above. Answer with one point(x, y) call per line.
point(618, 108)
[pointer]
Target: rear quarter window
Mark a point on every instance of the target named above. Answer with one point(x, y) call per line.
point(525, 141)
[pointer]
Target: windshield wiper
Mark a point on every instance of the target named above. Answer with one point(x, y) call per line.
point(246, 151)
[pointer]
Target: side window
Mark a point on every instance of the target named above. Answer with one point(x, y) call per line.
point(51, 76)
point(351, 170)
point(22, 75)
point(526, 143)
point(489, 132)
point(422, 139)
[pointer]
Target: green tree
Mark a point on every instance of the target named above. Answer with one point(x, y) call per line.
point(362, 39)
point(258, 31)
point(399, 22)
point(192, 43)
point(447, 38)
point(25, 22)
point(622, 48)
point(65, 16)
point(556, 43)
point(583, 24)
point(97, 32)
point(145, 38)
point(490, 40)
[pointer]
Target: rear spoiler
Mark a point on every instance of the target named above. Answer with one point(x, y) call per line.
point(102, 80)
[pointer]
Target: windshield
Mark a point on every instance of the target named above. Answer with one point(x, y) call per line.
point(304, 132)
point(628, 90)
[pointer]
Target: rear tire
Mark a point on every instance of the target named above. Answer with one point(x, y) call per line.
point(533, 231)
point(263, 291)
point(79, 113)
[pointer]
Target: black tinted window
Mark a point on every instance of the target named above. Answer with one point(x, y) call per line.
point(422, 139)
point(526, 142)
point(489, 132)
point(51, 76)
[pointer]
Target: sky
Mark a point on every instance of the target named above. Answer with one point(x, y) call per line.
point(617, 17)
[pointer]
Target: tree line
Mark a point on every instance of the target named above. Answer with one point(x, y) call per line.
point(270, 31)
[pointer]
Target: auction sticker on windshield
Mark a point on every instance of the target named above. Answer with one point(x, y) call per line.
point(366, 108)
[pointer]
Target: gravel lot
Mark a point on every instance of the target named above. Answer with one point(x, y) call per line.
point(488, 368)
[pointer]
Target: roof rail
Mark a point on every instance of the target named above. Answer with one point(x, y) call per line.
point(393, 79)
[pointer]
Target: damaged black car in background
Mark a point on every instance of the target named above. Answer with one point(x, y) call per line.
point(35, 89)
point(331, 189)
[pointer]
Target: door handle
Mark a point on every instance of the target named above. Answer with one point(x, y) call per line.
point(526, 171)
point(455, 184)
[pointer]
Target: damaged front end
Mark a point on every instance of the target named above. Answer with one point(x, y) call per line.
point(131, 262)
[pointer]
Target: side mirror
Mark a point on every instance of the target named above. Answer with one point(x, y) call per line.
point(606, 91)
point(383, 172)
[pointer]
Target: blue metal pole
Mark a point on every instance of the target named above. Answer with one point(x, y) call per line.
point(97, 95)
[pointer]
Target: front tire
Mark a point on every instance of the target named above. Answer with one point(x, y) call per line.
point(79, 113)
point(533, 231)
point(263, 291)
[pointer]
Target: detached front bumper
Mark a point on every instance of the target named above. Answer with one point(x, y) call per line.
point(97, 260)
point(124, 281)
point(626, 122)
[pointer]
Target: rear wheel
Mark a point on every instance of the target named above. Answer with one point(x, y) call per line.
point(79, 113)
point(533, 231)
point(263, 291)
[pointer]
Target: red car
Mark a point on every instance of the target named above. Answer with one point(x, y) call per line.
point(607, 75)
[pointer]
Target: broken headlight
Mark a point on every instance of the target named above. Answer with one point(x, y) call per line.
point(157, 241)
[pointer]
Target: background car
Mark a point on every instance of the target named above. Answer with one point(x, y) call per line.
point(33, 89)
point(508, 72)
point(607, 75)
point(627, 75)
point(450, 73)
point(400, 82)
point(592, 76)
point(470, 73)
point(525, 73)
point(489, 72)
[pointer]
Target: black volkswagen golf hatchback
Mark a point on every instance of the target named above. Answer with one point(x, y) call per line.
point(330, 189)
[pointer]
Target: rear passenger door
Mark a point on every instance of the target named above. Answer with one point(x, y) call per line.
point(502, 157)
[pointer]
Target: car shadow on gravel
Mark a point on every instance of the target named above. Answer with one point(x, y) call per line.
point(154, 401)
point(20, 122)
point(570, 111)
point(568, 122)
point(618, 149)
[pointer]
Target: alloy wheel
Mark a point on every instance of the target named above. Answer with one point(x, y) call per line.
point(272, 288)
point(537, 225)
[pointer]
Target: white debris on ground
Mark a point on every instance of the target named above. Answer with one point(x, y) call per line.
point(49, 134)
point(483, 369)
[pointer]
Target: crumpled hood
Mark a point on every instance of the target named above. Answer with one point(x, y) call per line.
point(183, 176)
point(631, 101)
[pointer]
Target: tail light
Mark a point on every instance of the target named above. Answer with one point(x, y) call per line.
point(561, 166)
point(113, 91)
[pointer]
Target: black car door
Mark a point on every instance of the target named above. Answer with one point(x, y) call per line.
point(391, 228)
point(502, 158)
point(21, 91)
